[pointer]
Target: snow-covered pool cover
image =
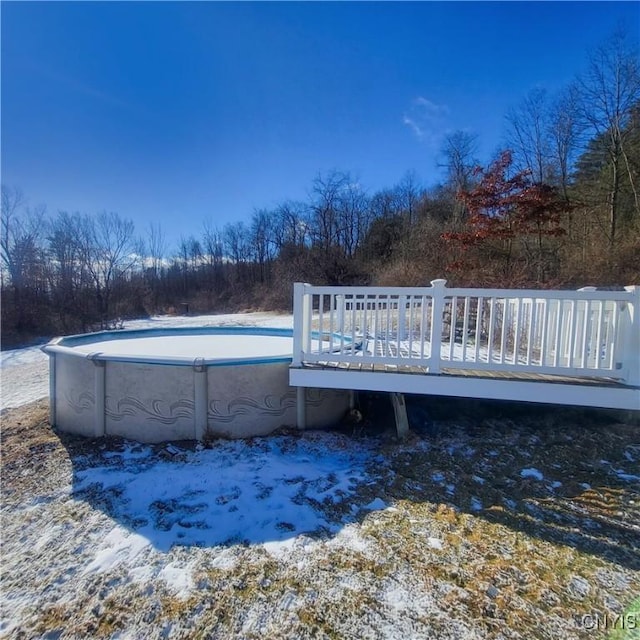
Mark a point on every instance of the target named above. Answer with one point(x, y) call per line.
point(224, 347)
point(227, 345)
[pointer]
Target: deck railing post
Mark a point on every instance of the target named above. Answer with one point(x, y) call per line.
point(301, 316)
point(437, 324)
point(631, 339)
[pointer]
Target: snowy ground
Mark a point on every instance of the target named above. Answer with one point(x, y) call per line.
point(481, 525)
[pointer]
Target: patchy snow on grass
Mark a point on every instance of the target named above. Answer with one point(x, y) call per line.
point(140, 516)
point(240, 491)
point(434, 543)
point(532, 472)
point(376, 504)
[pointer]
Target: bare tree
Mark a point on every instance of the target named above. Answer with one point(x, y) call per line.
point(263, 242)
point(528, 135)
point(213, 254)
point(156, 249)
point(67, 272)
point(408, 192)
point(609, 90)
point(564, 130)
point(353, 218)
point(291, 225)
point(109, 252)
point(237, 246)
point(385, 204)
point(20, 250)
point(459, 150)
point(326, 195)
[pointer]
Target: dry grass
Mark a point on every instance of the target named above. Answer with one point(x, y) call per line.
point(469, 548)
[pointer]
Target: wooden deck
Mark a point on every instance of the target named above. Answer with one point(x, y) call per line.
point(466, 373)
point(578, 348)
point(467, 383)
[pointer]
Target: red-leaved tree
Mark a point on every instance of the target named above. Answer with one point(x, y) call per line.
point(512, 231)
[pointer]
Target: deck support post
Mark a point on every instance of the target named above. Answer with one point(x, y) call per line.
point(100, 405)
point(201, 399)
point(400, 411)
point(301, 407)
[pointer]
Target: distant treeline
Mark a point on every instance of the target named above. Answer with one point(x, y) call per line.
point(559, 208)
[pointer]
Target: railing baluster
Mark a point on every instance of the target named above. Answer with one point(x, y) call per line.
point(424, 311)
point(465, 327)
point(387, 330)
point(572, 335)
point(611, 334)
point(599, 355)
point(492, 319)
point(479, 314)
point(505, 323)
point(557, 337)
point(375, 326)
point(516, 336)
point(321, 321)
point(332, 304)
point(533, 314)
point(308, 322)
point(410, 341)
point(342, 318)
point(354, 311)
point(584, 350)
point(452, 327)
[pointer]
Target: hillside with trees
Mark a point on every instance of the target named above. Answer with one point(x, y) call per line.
point(557, 207)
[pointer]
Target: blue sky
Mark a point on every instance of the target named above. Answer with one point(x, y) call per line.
point(181, 112)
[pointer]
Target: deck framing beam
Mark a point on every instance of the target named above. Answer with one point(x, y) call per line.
point(611, 396)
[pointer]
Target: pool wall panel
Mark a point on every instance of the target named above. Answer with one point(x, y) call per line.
point(75, 394)
point(249, 400)
point(252, 400)
point(150, 403)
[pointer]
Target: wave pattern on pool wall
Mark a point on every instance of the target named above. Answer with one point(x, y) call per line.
point(159, 411)
point(270, 405)
point(80, 402)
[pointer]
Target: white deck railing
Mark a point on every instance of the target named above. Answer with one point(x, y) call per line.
point(571, 333)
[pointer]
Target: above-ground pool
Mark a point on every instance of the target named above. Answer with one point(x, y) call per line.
point(155, 385)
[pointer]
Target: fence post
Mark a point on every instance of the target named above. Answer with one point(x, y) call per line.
point(631, 339)
point(436, 324)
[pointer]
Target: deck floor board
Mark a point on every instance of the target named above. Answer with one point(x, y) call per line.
point(465, 373)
